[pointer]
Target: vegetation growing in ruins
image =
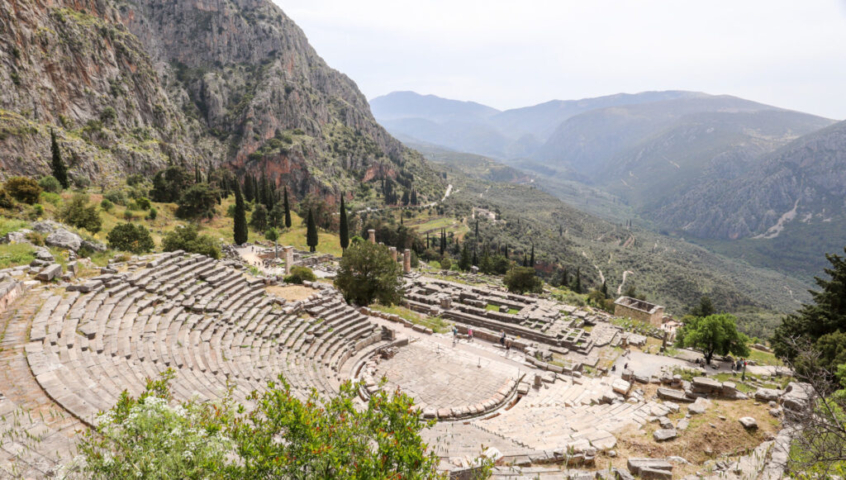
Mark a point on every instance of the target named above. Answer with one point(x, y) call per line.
point(129, 237)
point(189, 239)
point(284, 437)
point(79, 213)
point(367, 273)
point(713, 334)
point(523, 280)
point(299, 275)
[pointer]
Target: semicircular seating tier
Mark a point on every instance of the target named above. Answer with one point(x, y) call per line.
point(210, 323)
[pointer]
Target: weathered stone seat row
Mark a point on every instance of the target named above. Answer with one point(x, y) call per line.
point(209, 323)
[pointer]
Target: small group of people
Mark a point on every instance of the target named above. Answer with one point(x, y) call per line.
point(739, 365)
point(504, 341)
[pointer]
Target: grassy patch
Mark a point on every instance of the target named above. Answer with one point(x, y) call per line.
point(11, 225)
point(495, 308)
point(13, 255)
point(437, 324)
point(764, 358)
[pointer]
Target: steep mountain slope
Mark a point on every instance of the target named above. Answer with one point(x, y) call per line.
point(475, 128)
point(193, 83)
point(73, 67)
point(541, 120)
point(670, 271)
point(791, 205)
point(401, 105)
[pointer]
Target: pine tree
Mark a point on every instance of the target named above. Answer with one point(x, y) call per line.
point(60, 170)
point(287, 209)
point(241, 231)
point(311, 232)
point(344, 229)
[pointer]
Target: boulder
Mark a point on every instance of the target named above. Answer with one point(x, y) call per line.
point(699, 406)
point(93, 246)
point(706, 385)
point(665, 423)
point(665, 434)
point(47, 226)
point(49, 273)
point(16, 237)
point(796, 396)
point(683, 424)
point(748, 423)
point(621, 386)
point(636, 464)
point(767, 394)
point(44, 255)
point(62, 238)
point(655, 474)
point(673, 395)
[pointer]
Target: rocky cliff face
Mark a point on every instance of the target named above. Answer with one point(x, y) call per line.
point(247, 72)
point(73, 67)
point(132, 85)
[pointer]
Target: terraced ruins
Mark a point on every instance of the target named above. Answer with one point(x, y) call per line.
point(539, 385)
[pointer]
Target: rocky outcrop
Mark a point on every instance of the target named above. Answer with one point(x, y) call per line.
point(131, 86)
point(72, 67)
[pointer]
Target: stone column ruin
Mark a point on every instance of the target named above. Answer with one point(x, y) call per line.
point(372, 236)
point(393, 252)
point(406, 261)
point(289, 259)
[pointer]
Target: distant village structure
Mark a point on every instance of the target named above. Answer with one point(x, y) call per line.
point(639, 310)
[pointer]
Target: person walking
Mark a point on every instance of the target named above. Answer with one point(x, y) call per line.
point(502, 338)
point(470, 334)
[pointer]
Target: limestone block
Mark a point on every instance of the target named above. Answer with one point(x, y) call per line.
point(748, 423)
point(49, 273)
point(665, 434)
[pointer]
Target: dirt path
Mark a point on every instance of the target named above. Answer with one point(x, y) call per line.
point(620, 288)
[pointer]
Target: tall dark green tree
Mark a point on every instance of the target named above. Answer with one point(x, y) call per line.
point(287, 207)
point(506, 250)
point(311, 232)
point(465, 262)
point(577, 283)
point(414, 200)
point(565, 278)
point(241, 233)
point(344, 228)
point(820, 324)
point(60, 170)
point(704, 309)
point(604, 289)
point(532, 258)
point(249, 193)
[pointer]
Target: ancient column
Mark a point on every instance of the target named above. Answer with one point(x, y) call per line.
point(406, 261)
point(393, 252)
point(372, 235)
point(289, 259)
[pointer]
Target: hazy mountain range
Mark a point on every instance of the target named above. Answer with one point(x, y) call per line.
point(696, 165)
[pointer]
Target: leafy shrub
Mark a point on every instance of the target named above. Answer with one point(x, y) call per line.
point(299, 275)
point(107, 205)
point(6, 200)
point(50, 184)
point(23, 189)
point(37, 211)
point(142, 204)
point(117, 197)
point(36, 238)
point(522, 280)
point(153, 214)
point(108, 115)
point(135, 179)
point(80, 214)
point(129, 237)
point(197, 202)
point(128, 215)
point(189, 240)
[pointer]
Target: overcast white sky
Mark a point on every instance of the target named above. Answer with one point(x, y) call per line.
point(788, 53)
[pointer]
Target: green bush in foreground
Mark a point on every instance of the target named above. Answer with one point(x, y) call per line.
point(129, 237)
point(50, 184)
point(80, 214)
point(23, 189)
point(299, 275)
point(284, 437)
point(189, 239)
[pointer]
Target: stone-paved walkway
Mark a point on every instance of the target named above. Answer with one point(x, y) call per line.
point(439, 376)
point(36, 435)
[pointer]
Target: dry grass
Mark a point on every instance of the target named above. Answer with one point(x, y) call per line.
point(708, 437)
point(291, 293)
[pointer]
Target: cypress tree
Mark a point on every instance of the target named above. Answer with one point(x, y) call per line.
point(475, 259)
point(311, 233)
point(577, 285)
point(604, 289)
point(198, 177)
point(414, 197)
point(506, 250)
point(241, 231)
point(344, 232)
point(60, 170)
point(287, 209)
point(477, 229)
point(249, 194)
point(532, 260)
point(525, 260)
point(565, 277)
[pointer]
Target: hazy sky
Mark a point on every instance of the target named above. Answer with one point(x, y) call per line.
point(787, 53)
